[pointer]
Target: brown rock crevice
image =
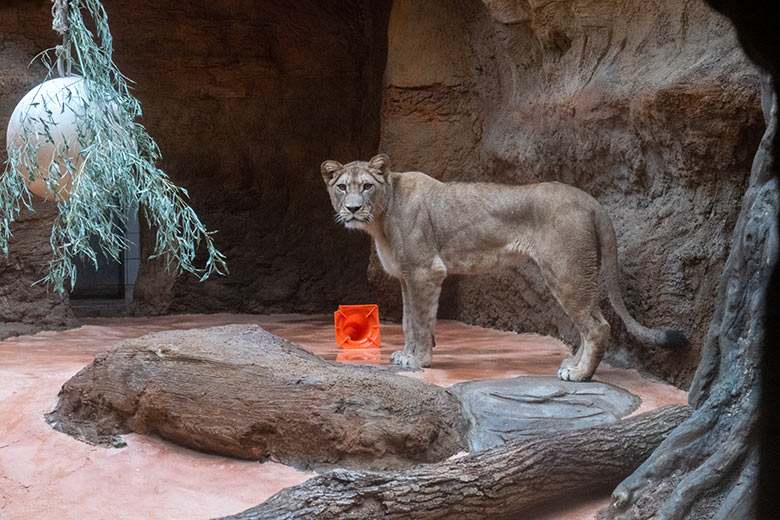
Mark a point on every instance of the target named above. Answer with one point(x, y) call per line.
point(246, 103)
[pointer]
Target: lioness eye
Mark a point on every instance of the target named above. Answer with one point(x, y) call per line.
point(342, 187)
point(367, 186)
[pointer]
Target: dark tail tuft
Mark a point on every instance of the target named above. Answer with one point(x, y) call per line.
point(675, 339)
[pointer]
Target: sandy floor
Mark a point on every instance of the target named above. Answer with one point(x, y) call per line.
point(47, 475)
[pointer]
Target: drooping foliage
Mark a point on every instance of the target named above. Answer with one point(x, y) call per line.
point(114, 170)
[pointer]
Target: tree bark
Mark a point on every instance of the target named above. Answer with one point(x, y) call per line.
point(708, 467)
point(241, 391)
point(492, 484)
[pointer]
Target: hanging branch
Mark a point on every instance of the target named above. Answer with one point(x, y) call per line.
point(114, 170)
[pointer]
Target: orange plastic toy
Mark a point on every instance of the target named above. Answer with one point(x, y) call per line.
point(364, 356)
point(357, 326)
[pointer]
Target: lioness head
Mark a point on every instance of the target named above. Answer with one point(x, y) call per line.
point(358, 190)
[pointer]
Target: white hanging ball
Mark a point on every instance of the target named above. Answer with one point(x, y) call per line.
point(54, 104)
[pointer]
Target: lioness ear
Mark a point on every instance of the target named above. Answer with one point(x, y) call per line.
point(328, 169)
point(380, 162)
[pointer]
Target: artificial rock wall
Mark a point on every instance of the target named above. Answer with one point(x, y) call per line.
point(24, 307)
point(246, 100)
point(649, 106)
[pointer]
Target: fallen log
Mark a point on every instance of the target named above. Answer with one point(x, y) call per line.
point(238, 390)
point(497, 483)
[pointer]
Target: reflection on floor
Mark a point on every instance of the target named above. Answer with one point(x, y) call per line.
point(46, 475)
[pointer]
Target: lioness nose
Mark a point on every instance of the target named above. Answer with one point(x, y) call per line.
point(354, 209)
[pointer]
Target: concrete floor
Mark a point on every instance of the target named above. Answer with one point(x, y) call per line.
point(45, 474)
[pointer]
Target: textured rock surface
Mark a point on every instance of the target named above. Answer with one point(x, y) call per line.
point(25, 308)
point(502, 410)
point(241, 391)
point(650, 107)
point(245, 102)
point(711, 466)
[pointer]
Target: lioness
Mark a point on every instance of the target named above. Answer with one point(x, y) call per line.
point(425, 229)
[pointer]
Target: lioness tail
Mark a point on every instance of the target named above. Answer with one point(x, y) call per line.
point(609, 260)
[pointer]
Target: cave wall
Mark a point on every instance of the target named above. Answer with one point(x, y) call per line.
point(26, 308)
point(649, 106)
point(246, 101)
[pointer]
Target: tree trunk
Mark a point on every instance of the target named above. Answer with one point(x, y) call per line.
point(496, 483)
point(708, 467)
point(238, 390)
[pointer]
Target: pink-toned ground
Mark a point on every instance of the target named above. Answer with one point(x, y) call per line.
point(45, 474)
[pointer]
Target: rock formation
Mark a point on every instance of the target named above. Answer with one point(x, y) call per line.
point(25, 308)
point(708, 467)
point(245, 101)
point(719, 464)
point(652, 108)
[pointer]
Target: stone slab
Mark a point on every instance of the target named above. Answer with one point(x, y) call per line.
point(501, 410)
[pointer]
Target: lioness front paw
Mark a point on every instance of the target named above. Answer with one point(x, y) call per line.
point(572, 374)
point(400, 358)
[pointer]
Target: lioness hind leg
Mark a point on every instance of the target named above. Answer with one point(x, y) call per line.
point(573, 280)
point(582, 366)
point(421, 301)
